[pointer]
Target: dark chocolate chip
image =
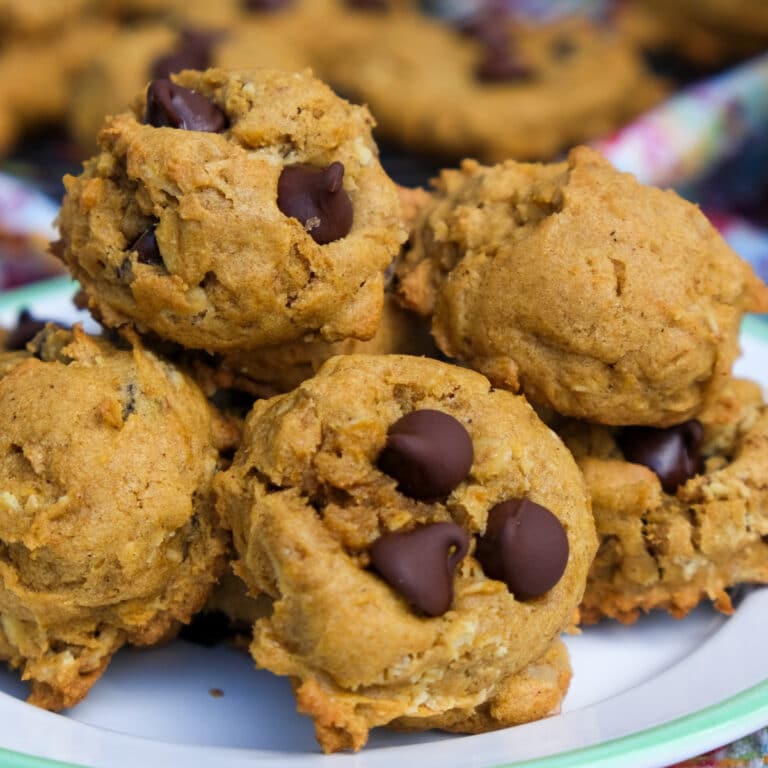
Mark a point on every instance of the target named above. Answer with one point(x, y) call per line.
point(489, 25)
point(255, 6)
point(170, 105)
point(147, 248)
point(563, 48)
point(525, 546)
point(420, 564)
point(193, 51)
point(428, 452)
point(317, 199)
point(500, 64)
point(672, 453)
point(27, 327)
point(368, 5)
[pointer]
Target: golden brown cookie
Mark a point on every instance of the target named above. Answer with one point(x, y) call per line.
point(508, 91)
point(597, 296)
point(40, 17)
point(157, 49)
point(40, 95)
point(108, 534)
point(273, 370)
point(681, 513)
point(266, 220)
point(404, 497)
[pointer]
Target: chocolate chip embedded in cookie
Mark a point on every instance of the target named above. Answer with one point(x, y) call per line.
point(108, 533)
point(365, 512)
point(506, 91)
point(669, 548)
point(597, 296)
point(235, 210)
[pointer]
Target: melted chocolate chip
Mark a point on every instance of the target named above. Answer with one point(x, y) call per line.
point(27, 327)
point(428, 452)
point(420, 564)
point(147, 248)
point(368, 5)
point(672, 453)
point(563, 48)
point(525, 546)
point(170, 105)
point(317, 199)
point(501, 64)
point(255, 6)
point(193, 51)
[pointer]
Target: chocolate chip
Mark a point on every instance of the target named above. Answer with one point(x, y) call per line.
point(420, 564)
point(489, 24)
point(193, 51)
point(428, 452)
point(525, 546)
point(255, 6)
point(147, 248)
point(563, 48)
point(317, 199)
point(501, 64)
point(672, 453)
point(27, 327)
point(368, 5)
point(170, 105)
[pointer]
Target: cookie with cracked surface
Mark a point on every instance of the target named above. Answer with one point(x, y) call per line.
point(507, 91)
point(681, 513)
point(387, 512)
point(108, 533)
point(597, 296)
point(234, 210)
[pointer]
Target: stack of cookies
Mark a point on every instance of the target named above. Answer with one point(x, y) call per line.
point(492, 87)
point(615, 308)
point(414, 535)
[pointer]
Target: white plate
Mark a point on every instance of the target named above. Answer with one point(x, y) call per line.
point(647, 695)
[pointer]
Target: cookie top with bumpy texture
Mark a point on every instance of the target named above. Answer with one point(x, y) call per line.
point(506, 91)
point(332, 523)
point(267, 219)
point(682, 512)
point(597, 296)
point(107, 529)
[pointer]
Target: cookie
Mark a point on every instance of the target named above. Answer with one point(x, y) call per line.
point(108, 534)
point(596, 296)
point(49, 65)
point(155, 49)
point(681, 513)
point(264, 218)
point(511, 91)
point(407, 511)
point(273, 370)
point(39, 17)
point(109, 82)
point(709, 33)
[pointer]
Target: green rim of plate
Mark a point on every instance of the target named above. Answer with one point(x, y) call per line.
point(682, 733)
point(18, 298)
